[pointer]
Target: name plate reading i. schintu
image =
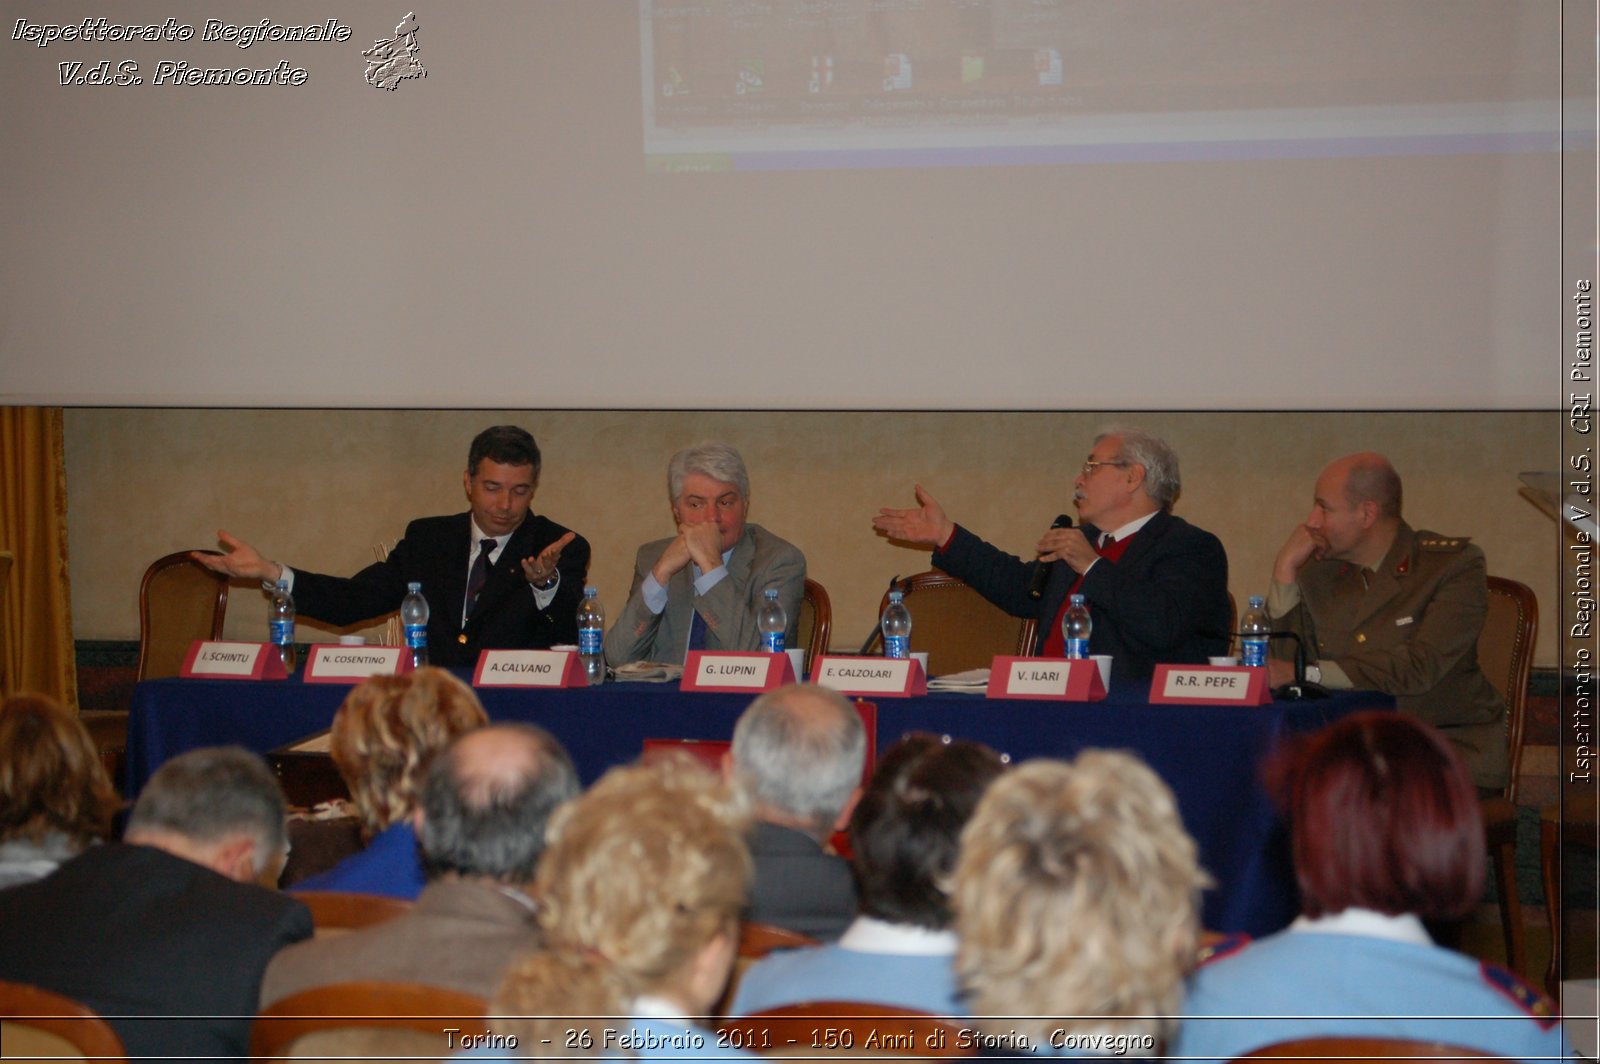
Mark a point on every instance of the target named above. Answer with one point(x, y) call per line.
point(1046, 678)
point(890, 677)
point(529, 668)
point(1210, 685)
point(730, 671)
point(335, 663)
point(211, 659)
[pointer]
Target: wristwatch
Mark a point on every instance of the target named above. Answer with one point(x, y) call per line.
point(1314, 673)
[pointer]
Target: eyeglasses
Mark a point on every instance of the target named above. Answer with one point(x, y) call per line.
point(1090, 466)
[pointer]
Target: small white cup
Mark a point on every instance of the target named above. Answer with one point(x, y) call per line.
point(352, 640)
point(1223, 659)
point(921, 657)
point(797, 658)
point(566, 646)
point(1103, 662)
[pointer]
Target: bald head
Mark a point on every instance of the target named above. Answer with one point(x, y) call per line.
point(800, 750)
point(1367, 477)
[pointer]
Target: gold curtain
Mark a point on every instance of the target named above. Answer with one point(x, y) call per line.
point(33, 526)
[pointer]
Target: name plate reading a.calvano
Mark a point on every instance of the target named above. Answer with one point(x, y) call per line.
point(1045, 678)
point(731, 671)
point(334, 663)
point(891, 677)
point(1210, 685)
point(529, 668)
point(211, 659)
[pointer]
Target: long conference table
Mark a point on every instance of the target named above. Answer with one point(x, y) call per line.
point(1210, 756)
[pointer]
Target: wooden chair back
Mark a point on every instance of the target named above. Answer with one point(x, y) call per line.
point(336, 911)
point(180, 601)
point(816, 623)
point(38, 1024)
point(1343, 1049)
point(7, 559)
point(1505, 654)
point(959, 628)
point(372, 1021)
point(829, 1029)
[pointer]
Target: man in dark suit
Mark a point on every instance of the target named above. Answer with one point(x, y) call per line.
point(497, 576)
point(167, 933)
point(485, 802)
point(798, 752)
point(1156, 586)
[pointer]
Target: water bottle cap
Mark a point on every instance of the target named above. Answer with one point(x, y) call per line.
point(1257, 601)
point(1077, 600)
point(414, 587)
point(589, 590)
point(897, 596)
point(771, 593)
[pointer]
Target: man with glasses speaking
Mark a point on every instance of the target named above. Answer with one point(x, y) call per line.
point(1156, 586)
point(701, 589)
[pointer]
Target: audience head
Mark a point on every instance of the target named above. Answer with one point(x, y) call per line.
point(799, 752)
point(1356, 508)
point(639, 892)
point(1075, 897)
point(708, 482)
point(906, 831)
point(51, 778)
point(487, 798)
point(1383, 816)
point(220, 807)
point(387, 729)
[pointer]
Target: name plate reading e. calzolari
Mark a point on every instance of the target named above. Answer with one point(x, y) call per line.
point(529, 668)
point(332, 663)
point(731, 670)
point(892, 677)
point(1210, 685)
point(211, 659)
point(1046, 678)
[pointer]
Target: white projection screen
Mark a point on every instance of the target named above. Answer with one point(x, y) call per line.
point(804, 204)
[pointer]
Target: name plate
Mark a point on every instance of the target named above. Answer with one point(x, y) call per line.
point(332, 663)
point(732, 671)
point(212, 659)
point(891, 677)
point(1210, 685)
point(1046, 678)
point(529, 668)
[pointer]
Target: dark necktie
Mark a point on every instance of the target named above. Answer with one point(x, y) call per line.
point(697, 632)
point(479, 574)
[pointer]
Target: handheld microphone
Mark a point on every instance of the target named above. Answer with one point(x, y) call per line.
point(1041, 575)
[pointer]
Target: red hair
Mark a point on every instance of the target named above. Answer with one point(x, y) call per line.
point(1383, 816)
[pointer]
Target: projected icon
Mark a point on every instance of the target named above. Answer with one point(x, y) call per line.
point(389, 62)
point(752, 77)
point(971, 69)
point(675, 85)
point(821, 73)
point(1047, 64)
point(896, 72)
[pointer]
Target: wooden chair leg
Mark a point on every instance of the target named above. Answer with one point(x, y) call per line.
point(1504, 859)
point(1549, 858)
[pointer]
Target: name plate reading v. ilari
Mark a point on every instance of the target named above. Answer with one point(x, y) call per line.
point(732, 671)
point(210, 659)
point(1210, 685)
point(529, 668)
point(333, 663)
point(1046, 678)
point(891, 677)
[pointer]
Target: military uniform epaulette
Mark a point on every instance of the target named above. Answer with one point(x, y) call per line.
point(1225, 946)
point(1432, 541)
point(1521, 993)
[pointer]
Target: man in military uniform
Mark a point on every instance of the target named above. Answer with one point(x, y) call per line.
point(1382, 606)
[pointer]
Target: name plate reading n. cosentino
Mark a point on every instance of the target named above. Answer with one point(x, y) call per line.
point(210, 659)
point(1210, 685)
point(891, 677)
point(730, 671)
point(529, 668)
point(332, 663)
point(1045, 678)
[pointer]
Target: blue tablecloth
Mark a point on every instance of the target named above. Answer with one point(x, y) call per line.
point(1210, 756)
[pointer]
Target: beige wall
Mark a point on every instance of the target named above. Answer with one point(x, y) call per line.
point(319, 488)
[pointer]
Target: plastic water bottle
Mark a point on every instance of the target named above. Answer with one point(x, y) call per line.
point(1075, 629)
point(591, 636)
point(280, 623)
point(1255, 627)
point(414, 616)
point(772, 622)
point(896, 627)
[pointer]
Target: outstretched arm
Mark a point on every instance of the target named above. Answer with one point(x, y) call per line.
point(927, 524)
point(240, 560)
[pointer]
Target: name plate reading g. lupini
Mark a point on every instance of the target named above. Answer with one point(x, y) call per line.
point(730, 670)
point(210, 659)
point(332, 663)
point(529, 668)
point(1210, 685)
point(1049, 678)
point(892, 677)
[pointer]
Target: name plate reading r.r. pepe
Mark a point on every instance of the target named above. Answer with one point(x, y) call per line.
point(1210, 685)
point(529, 668)
point(1045, 678)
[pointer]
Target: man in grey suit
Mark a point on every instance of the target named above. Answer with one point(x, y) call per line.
point(701, 589)
point(485, 802)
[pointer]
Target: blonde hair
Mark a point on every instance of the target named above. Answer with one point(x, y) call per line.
point(1075, 897)
point(640, 873)
point(51, 776)
point(387, 729)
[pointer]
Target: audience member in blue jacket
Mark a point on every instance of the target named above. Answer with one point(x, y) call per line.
point(904, 836)
point(385, 732)
point(1386, 833)
point(1076, 899)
